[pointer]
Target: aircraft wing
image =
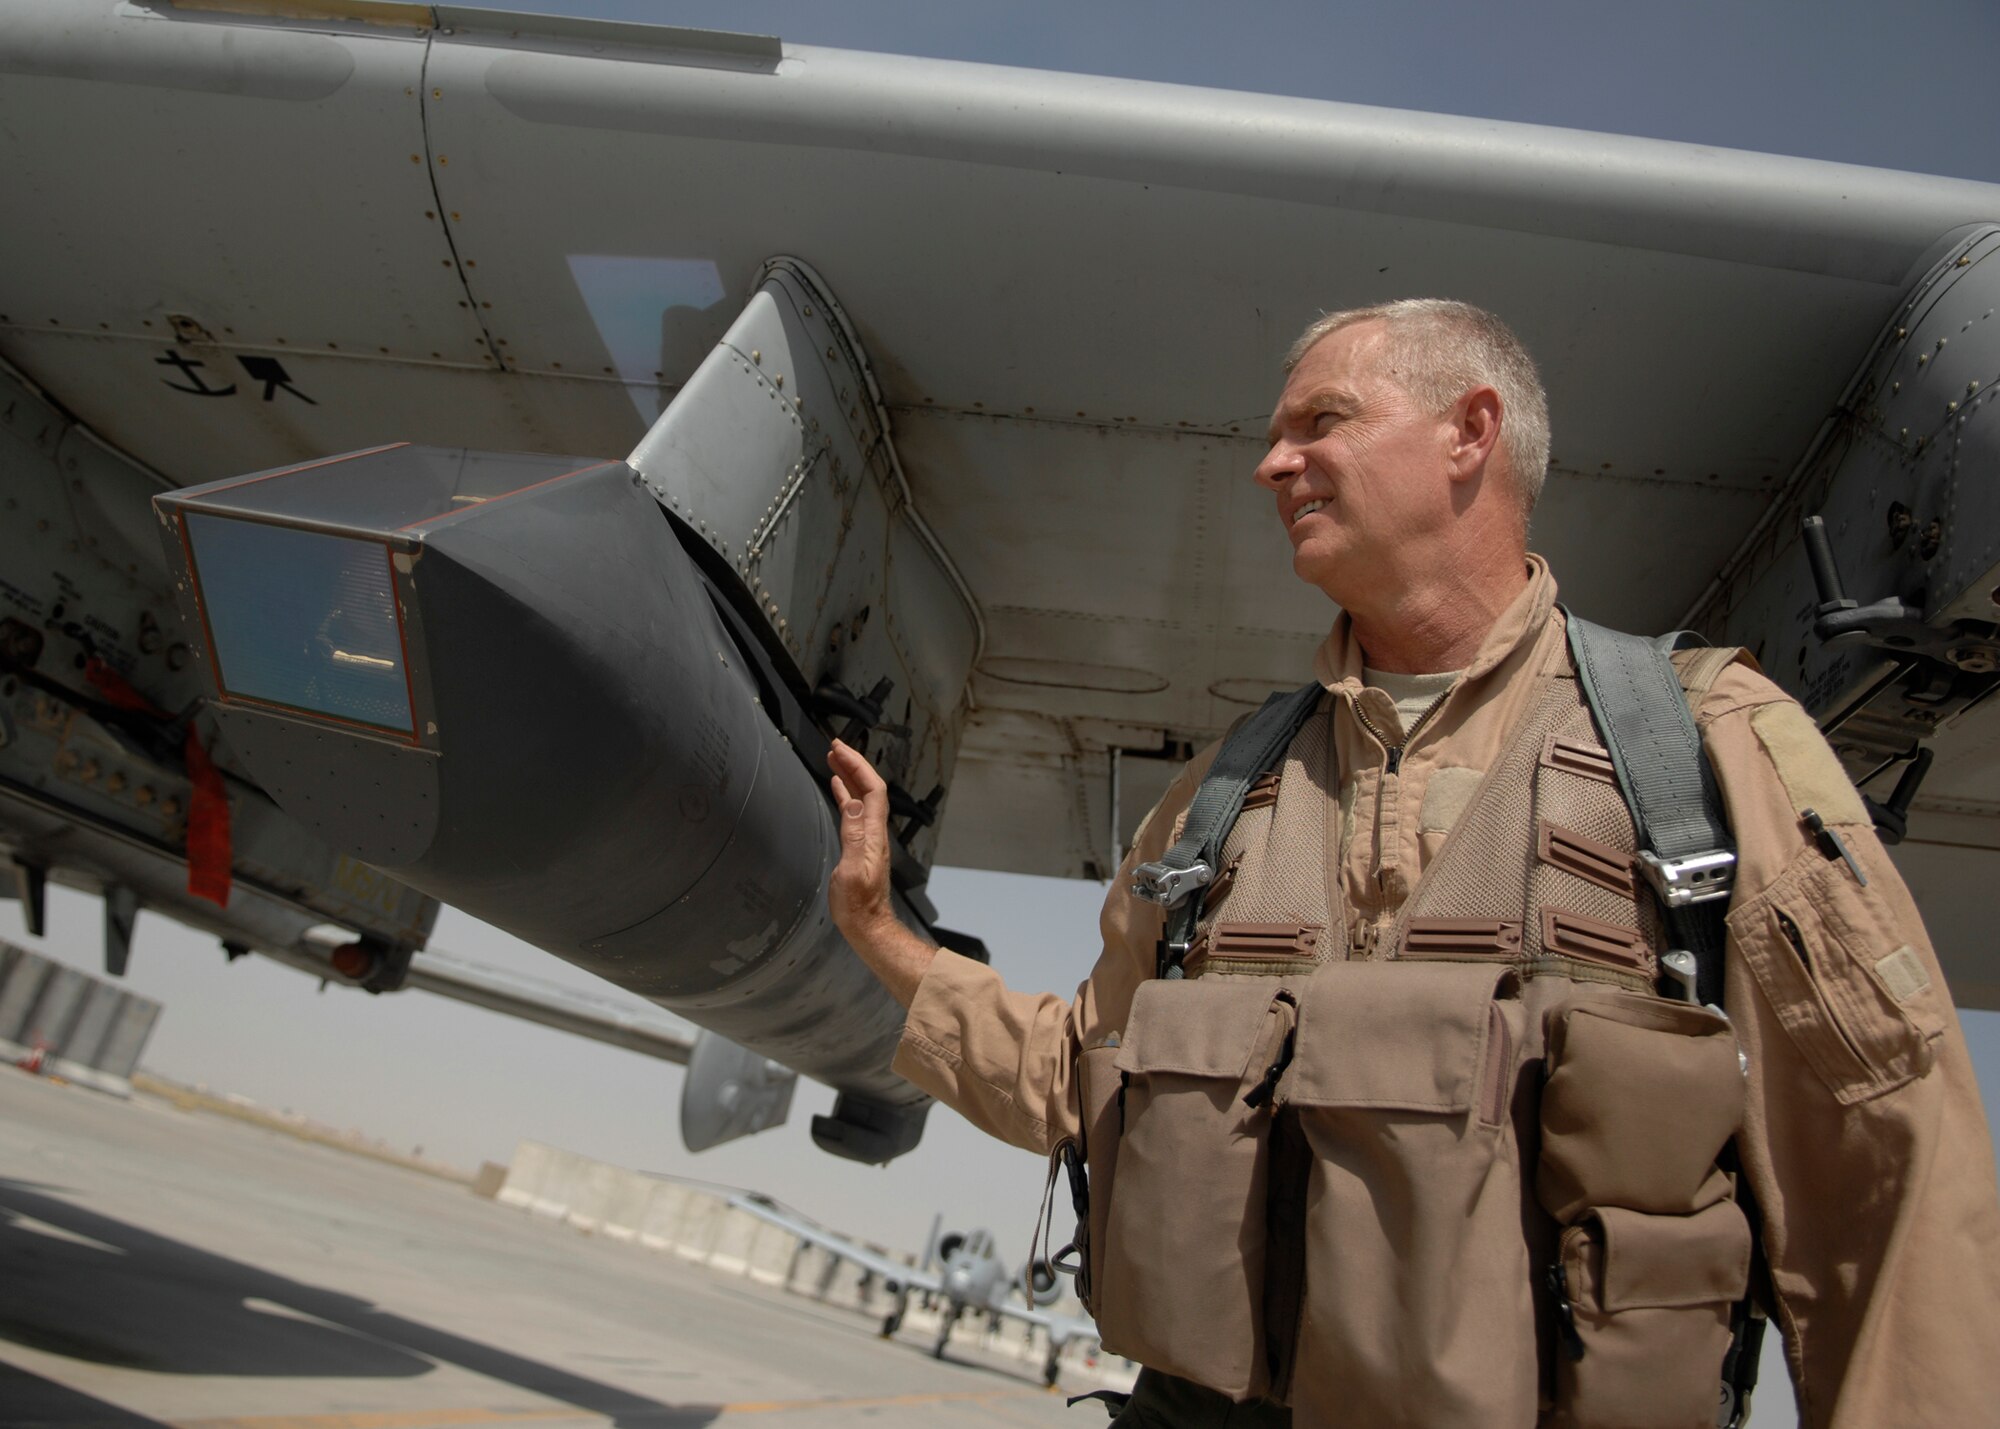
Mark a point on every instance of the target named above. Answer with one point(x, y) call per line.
point(523, 232)
point(1061, 1328)
point(909, 1276)
point(247, 237)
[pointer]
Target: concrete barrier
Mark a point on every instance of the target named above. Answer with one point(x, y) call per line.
point(660, 1230)
point(684, 1218)
point(695, 1221)
point(71, 1024)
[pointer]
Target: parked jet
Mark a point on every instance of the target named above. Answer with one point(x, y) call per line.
point(960, 1270)
point(455, 455)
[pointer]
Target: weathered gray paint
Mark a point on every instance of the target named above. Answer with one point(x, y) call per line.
point(730, 1092)
point(779, 458)
point(1138, 254)
point(1915, 431)
point(1072, 291)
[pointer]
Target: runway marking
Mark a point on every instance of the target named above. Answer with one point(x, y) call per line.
point(446, 1418)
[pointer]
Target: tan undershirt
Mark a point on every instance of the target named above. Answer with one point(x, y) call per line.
point(1411, 694)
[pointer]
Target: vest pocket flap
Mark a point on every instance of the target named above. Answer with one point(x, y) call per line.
point(1648, 1014)
point(1407, 1036)
point(1648, 1315)
point(1656, 1262)
point(1641, 1095)
point(1197, 1027)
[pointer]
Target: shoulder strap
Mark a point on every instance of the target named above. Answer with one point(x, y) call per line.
point(1641, 698)
point(1685, 848)
point(1253, 748)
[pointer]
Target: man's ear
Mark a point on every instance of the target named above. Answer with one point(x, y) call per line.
point(1475, 430)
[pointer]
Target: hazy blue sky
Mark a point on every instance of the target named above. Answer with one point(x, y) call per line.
point(1903, 86)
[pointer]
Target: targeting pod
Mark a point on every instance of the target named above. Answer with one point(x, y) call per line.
point(501, 679)
point(589, 701)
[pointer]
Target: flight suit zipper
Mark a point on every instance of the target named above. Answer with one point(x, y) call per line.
point(1393, 753)
point(1386, 796)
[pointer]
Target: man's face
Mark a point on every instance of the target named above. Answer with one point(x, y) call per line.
point(1358, 469)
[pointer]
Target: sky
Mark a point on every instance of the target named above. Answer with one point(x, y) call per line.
point(1903, 86)
point(1899, 86)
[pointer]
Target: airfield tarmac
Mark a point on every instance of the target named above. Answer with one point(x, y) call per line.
point(160, 1267)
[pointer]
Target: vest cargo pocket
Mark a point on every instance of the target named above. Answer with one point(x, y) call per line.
point(1642, 1095)
point(1643, 1305)
point(1181, 1279)
point(1417, 1304)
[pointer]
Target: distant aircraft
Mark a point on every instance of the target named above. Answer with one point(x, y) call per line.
point(962, 1270)
point(466, 456)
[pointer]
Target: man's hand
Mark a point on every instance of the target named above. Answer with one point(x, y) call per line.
point(857, 893)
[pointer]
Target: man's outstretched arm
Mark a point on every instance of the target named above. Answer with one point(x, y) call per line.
point(1004, 1060)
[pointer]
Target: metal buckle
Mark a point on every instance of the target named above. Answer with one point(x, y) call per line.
point(1678, 967)
point(1695, 878)
point(1166, 886)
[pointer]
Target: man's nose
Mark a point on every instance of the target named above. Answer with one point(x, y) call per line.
point(1280, 464)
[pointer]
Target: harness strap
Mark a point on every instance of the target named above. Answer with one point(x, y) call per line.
point(1252, 749)
point(1641, 708)
point(1686, 850)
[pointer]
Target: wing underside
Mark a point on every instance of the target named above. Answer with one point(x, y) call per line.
point(294, 237)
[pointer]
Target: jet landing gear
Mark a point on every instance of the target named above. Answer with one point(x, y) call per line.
point(944, 1332)
point(893, 1321)
point(1052, 1365)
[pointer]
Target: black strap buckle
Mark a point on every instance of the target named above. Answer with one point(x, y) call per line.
point(1558, 1283)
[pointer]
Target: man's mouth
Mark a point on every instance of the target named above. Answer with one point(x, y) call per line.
point(1306, 510)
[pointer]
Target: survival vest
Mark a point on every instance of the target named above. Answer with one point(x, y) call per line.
point(1481, 1180)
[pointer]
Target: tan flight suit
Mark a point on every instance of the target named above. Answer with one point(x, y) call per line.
point(1863, 1137)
